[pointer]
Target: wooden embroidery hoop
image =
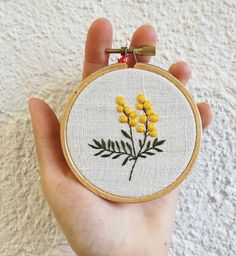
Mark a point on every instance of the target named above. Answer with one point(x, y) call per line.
point(79, 88)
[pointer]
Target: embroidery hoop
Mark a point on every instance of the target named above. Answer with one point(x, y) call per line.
point(86, 182)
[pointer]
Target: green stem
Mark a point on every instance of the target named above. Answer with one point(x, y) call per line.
point(131, 135)
point(131, 172)
point(132, 140)
point(144, 140)
point(139, 153)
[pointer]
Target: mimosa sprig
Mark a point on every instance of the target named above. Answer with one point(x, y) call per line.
point(141, 121)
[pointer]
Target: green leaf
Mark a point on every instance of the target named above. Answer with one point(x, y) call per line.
point(154, 142)
point(117, 144)
point(126, 134)
point(113, 145)
point(129, 147)
point(103, 143)
point(148, 144)
point(125, 161)
point(99, 153)
point(92, 146)
point(123, 145)
point(140, 143)
point(143, 156)
point(109, 144)
point(160, 142)
point(97, 143)
point(114, 157)
point(158, 150)
point(106, 155)
point(149, 153)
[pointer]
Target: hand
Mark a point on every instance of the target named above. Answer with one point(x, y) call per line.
point(92, 225)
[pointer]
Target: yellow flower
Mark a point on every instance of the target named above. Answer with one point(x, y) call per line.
point(149, 112)
point(133, 121)
point(123, 119)
point(147, 105)
point(153, 133)
point(151, 127)
point(120, 100)
point(140, 128)
point(133, 114)
point(139, 106)
point(143, 119)
point(119, 108)
point(141, 98)
point(127, 110)
point(153, 118)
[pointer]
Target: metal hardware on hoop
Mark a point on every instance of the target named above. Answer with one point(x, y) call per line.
point(126, 52)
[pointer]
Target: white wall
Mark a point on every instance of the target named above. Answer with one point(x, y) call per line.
point(41, 54)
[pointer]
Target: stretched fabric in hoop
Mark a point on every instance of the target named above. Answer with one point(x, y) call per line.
point(94, 116)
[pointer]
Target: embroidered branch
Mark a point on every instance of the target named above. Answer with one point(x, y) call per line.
point(143, 122)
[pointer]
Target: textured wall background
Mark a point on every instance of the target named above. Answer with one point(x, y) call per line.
point(41, 54)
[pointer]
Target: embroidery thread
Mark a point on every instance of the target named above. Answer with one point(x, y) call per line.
point(142, 122)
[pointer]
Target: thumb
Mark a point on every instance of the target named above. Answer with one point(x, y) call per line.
point(46, 129)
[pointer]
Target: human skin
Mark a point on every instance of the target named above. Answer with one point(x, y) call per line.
point(92, 225)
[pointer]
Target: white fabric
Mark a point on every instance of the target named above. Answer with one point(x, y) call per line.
point(94, 116)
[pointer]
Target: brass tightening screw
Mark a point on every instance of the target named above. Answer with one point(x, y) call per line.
point(143, 51)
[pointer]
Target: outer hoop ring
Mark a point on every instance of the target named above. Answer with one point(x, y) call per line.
point(64, 118)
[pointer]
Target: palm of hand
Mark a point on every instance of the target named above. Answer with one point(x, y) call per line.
point(92, 225)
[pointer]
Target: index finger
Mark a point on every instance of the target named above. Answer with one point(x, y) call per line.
point(99, 38)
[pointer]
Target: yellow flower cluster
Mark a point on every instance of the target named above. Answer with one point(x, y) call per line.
point(143, 122)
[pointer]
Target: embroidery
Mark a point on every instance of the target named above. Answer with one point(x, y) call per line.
point(143, 122)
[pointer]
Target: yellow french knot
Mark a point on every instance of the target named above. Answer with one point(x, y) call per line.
point(140, 128)
point(153, 118)
point(120, 100)
point(123, 119)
